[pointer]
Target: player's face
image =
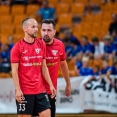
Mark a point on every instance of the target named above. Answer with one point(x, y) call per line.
point(85, 63)
point(47, 32)
point(104, 64)
point(32, 28)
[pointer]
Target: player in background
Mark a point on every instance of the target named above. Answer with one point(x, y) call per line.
point(55, 57)
point(28, 65)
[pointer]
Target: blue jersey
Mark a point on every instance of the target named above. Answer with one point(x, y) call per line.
point(115, 40)
point(68, 50)
point(75, 50)
point(96, 74)
point(88, 48)
point(11, 46)
point(78, 64)
point(113, 70)
point(104, 70)
point(47, 13)
point(86, 71)
point(73, 38)
point(110, 49)
point(5, 56)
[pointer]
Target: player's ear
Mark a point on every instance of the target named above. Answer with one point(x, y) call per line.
point(24, 28)
point(54, 32)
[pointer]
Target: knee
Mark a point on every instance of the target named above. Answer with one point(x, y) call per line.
point(45, 113)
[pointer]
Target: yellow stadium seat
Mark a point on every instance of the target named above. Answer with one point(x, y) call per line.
point(7, 29)
point(97, 17)
point(88, 18)
point(108, 7)
point(71, 64)
point(62, 8)
point(66, 1)
point(65, 19)
point(77, 28)
point(77, 9)
point(106, 16)
point(99, 2)
point(97, 62)
point(5, 19)
point(81, 1)
point(32, 9)
point(115, 7)
point(78, 34)
point(53, 2)
point(18, 29)
point(4, 10)
point(17, 9)
point(4, 39)
point(18, 19)
point(17, 37)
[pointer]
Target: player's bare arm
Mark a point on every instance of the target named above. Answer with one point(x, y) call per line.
point(18, 92)
point(46, 75)
point(65, 72)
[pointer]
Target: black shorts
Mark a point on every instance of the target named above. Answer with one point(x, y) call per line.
point(52, 104)
point(38, 102)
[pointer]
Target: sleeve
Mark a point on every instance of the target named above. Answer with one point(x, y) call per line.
point(110, 69)
point(62, 52)
point(44, 50)
point(15, 54)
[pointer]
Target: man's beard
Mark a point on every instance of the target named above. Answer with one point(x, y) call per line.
point(46, 39)
point(34, 35)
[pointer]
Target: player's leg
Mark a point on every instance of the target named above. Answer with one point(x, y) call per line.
point(25, 109)
point(45, 113)
point(42, 105)
point(53, 105)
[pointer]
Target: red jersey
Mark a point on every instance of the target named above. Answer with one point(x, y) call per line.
point(54, 54)
point(29, 56)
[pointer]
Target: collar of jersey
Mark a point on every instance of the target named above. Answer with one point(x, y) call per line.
point(29, 43)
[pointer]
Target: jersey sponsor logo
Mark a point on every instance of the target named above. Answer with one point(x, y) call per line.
point(56, 57)
point(25, 51)
point(51, 64)
point(32, 64)
point(33, 57)
point(37, 50)
point(54, 52)
point(25, 58)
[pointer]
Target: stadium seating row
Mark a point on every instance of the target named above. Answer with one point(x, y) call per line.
point(73, 8)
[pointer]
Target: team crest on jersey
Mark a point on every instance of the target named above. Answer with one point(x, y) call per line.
point(37, 50)
point(54, 52)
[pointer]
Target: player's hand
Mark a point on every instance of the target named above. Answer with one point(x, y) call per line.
point(19, 95)
point(68, 90)
point(53, 91)
point(85, 84)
